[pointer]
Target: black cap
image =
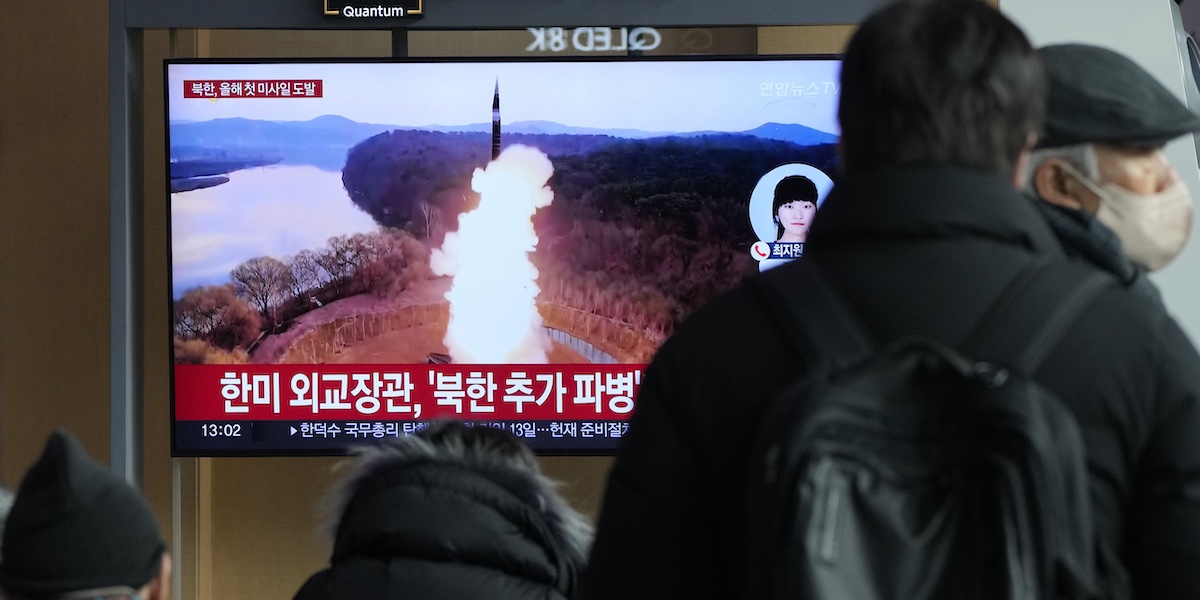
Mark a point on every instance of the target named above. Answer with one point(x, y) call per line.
point(1098, 95)
point(74, 526)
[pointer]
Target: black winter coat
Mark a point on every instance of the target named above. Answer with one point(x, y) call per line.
point(915, 251)
point(1084, 237)
point(435, 529)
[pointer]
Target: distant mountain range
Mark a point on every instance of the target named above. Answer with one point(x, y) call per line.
point(323, 141)
point(232, 134)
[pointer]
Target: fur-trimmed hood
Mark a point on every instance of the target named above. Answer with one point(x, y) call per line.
point(456, 509)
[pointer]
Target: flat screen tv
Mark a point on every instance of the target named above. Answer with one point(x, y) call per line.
point(361, 247)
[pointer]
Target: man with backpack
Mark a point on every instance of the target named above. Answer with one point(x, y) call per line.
point(985, 418)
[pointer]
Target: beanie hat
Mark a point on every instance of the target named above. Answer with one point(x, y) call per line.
point(74, 526)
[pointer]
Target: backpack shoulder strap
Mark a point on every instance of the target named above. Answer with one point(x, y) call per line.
point(1025, 322)
point(1034, 311)
point(817, 323)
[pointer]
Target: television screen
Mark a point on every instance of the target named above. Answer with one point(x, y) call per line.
point(358, 248)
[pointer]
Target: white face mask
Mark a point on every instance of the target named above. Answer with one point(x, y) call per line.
point(1152, 228)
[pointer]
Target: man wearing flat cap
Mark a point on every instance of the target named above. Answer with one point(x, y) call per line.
point(1109, 192)
point(76, 531)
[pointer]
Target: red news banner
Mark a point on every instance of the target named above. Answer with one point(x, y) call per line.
point(405, 392)
point(252, 88)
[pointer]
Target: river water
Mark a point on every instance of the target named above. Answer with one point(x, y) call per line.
point(274, 211)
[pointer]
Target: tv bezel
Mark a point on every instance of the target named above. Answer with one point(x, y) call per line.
point(176, 451)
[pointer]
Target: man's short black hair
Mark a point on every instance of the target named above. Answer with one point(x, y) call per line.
point(939, 82)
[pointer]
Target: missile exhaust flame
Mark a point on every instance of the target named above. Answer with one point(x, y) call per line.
point(493, 311)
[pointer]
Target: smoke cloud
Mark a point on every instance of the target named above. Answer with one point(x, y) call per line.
point(493, 311)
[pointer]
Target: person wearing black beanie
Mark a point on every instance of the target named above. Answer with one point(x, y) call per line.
point(78, 530)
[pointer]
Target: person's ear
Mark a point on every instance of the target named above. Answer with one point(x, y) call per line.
point(1023, 160)
point(159, 588)
point(1057, 186)
point(1022, 163)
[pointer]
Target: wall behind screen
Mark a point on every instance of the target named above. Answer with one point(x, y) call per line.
point(54, 303)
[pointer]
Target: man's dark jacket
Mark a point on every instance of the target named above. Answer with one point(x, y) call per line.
point(915, 251)
point(433, 524)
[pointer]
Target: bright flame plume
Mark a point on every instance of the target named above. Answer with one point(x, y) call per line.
point(493, 315)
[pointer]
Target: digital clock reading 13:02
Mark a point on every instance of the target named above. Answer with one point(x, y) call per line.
point(221, 430)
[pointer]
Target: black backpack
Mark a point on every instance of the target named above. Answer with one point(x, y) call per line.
point(913, 472)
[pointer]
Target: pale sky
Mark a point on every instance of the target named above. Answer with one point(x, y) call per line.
point(666, 96)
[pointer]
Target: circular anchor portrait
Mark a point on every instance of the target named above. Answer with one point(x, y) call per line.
point(782, 208)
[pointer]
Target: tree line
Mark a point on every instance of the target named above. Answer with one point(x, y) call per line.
point(657, 227)
point(218, 323)
point(643, 231)
point(399, 177)
point(647, 228)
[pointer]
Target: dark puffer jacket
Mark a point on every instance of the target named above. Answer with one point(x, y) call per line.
point(914, 251)
point(419, 521)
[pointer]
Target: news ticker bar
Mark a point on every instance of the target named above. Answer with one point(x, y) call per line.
point(281, 437)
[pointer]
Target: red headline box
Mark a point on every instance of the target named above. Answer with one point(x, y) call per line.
point(253, 88)
point(405, 392)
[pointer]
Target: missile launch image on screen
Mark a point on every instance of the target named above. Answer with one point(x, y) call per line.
point(387, 223)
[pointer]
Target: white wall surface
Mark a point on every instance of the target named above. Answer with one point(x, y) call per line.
point(1145, 31)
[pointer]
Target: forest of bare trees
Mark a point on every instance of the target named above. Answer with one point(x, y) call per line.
point(402, 178)
point(645, 231)
point(641, 276)
point(642, 231)
point(219, 323)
